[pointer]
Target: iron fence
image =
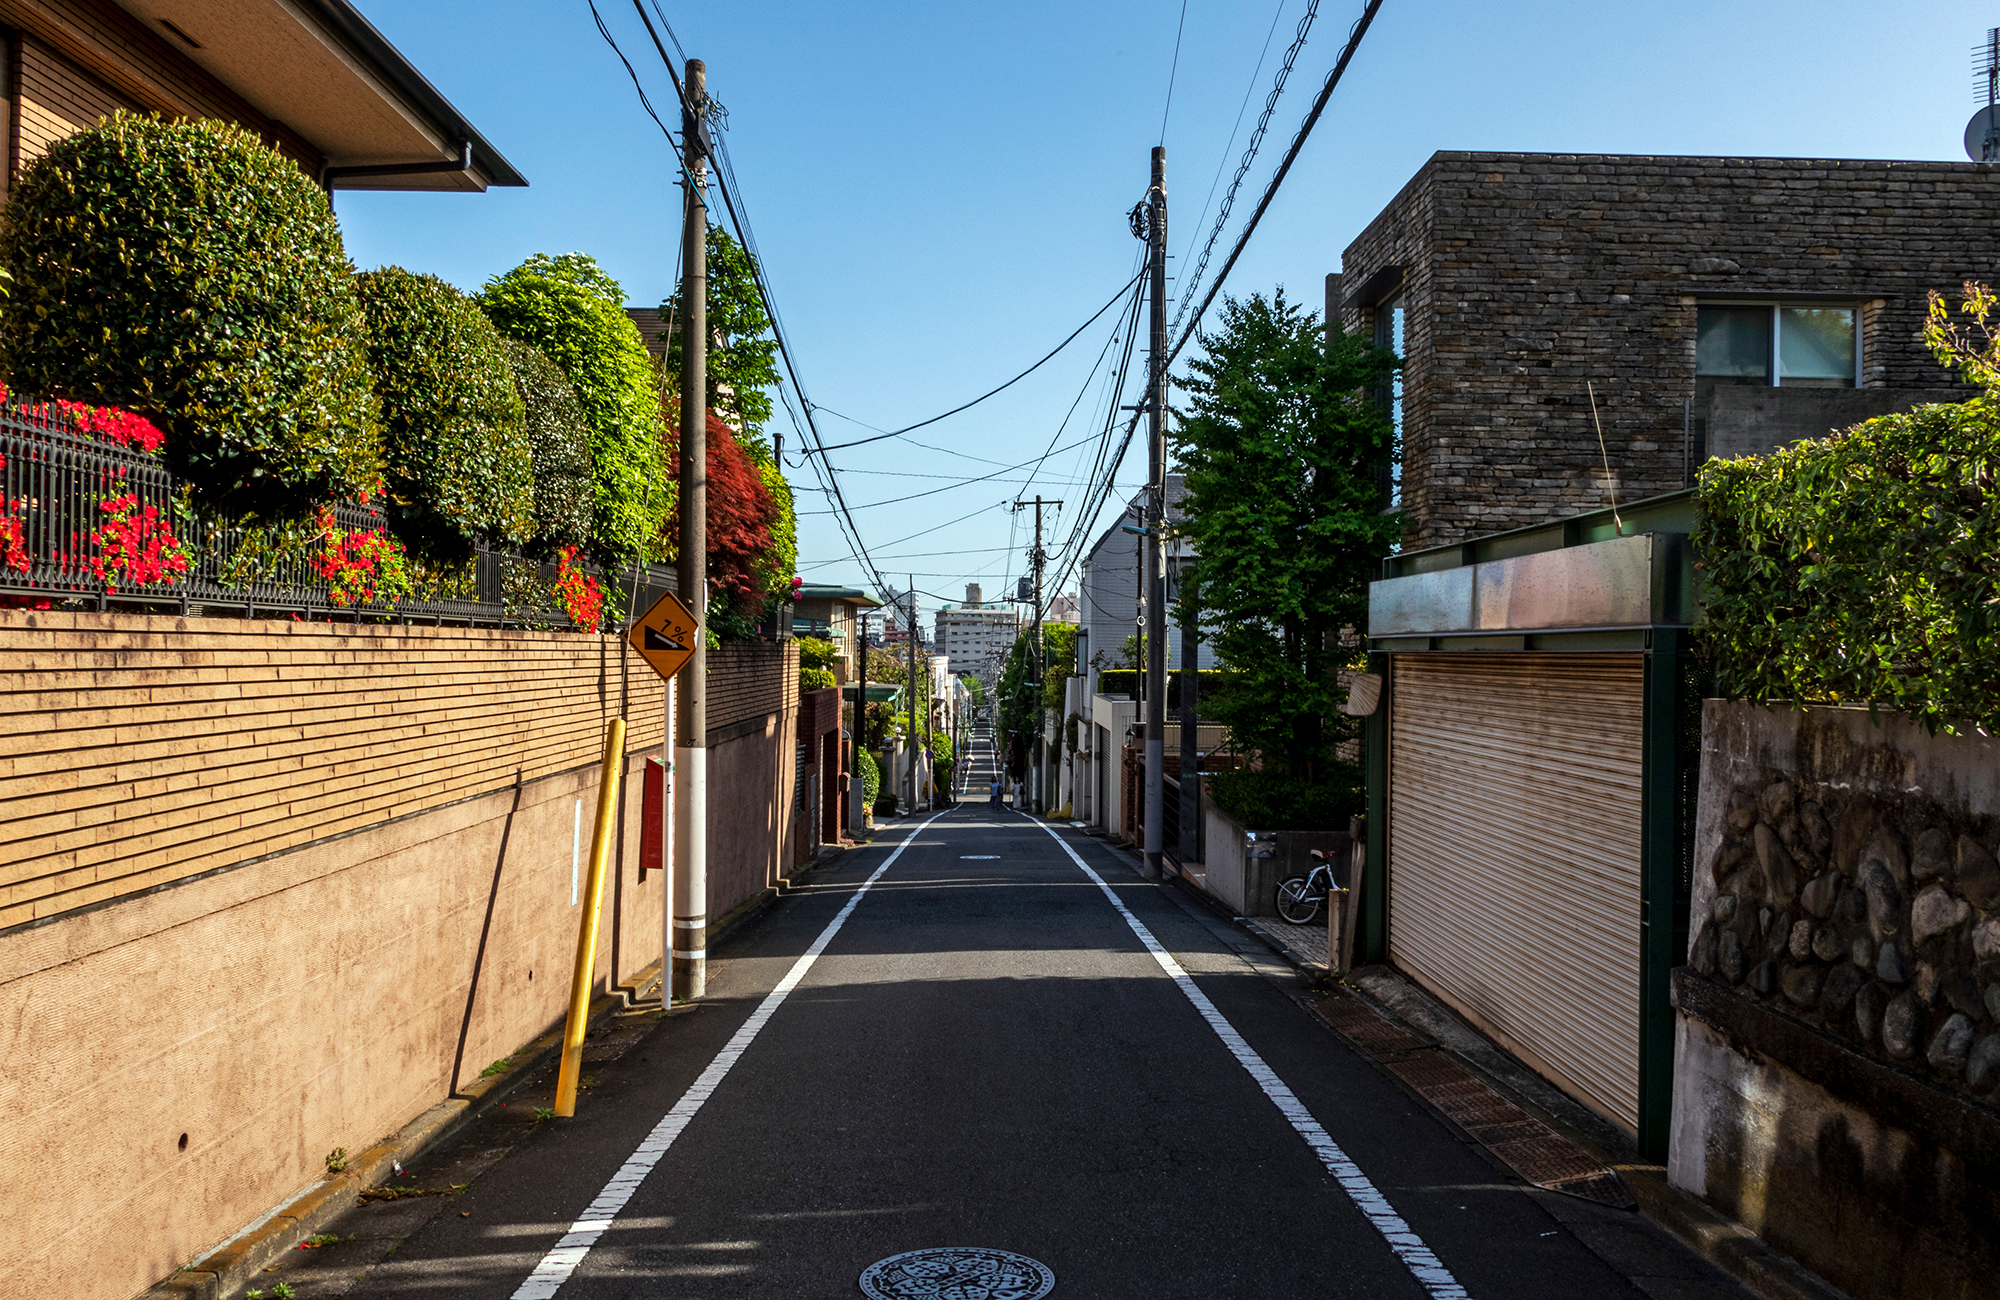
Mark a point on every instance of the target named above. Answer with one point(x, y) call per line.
point(73, 508)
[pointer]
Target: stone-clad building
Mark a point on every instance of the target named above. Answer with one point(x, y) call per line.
point(1716, 305)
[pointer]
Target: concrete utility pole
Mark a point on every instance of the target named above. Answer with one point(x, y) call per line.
point(1035, 652)
point(860, 717)
point(910, 628)
point(1156, 520)
point(1191, 846)
point(690, 902)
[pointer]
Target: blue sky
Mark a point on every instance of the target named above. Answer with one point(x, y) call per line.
point(939, 190)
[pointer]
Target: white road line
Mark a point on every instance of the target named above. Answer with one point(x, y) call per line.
point(1409, 1247)
point(562, 1259)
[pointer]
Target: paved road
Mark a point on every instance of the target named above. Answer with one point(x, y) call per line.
point(986, 1053)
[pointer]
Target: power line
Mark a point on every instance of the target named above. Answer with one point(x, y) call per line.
point(1193, 282)
point(1354, 36)
point(910, 428)
point(1173, 71)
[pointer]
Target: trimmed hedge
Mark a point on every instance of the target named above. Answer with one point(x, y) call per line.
point(459, 468)
point(559, 443)
point(1271, 801)
point(1863, 568)
point(190, 273)
point(570, 309)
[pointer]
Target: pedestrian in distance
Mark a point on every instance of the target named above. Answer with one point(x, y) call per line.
point(993, 791)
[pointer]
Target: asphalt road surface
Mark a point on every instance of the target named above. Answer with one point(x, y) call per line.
point(986, 1052)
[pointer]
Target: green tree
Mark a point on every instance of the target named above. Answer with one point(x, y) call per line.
point(460, 467)
point(1279, 444)
point(743, 349)
point(570, 309)
point(191, 273)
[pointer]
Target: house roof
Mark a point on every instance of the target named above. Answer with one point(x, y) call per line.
point(322, 70)
point(852, 595)
point(878, 692)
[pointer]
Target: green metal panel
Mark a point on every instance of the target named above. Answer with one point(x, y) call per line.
point(1372, 942)
point(1671, 767)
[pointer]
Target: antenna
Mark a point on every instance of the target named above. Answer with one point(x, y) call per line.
point(1982, 133)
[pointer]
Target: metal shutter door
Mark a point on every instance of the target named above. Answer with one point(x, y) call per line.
point(1514, 784)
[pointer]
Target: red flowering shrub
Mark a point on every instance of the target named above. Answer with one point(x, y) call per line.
point(582, 599)
point(365, 567)
point(13, 555)
point(135, 545)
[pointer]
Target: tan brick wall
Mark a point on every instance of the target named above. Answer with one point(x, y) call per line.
point(137, 751)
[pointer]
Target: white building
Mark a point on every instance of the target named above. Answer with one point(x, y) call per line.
point(975, 637)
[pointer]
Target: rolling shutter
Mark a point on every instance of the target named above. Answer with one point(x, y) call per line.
point(1514, 789)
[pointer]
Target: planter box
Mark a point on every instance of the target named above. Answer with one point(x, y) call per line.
point(1248, 884)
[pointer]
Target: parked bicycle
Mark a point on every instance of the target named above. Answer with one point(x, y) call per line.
point(1300, 898)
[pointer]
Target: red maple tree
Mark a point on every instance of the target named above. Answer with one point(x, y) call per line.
point(741, 514)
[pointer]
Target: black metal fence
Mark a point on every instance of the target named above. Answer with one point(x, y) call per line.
point(87, 523)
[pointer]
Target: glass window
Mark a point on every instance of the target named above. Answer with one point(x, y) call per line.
point(1816, 347)
point(1733, 344)
point(1389, 334)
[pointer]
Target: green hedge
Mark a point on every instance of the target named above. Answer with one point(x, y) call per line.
point(1862, 568)
point(570, 309)
point(459, 467)
point(558, 443)
point(1269, 801)
point(190, 273)
point(871, 776)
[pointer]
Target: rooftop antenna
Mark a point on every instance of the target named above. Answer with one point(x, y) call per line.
point(1610, 483)
point(1982, 133)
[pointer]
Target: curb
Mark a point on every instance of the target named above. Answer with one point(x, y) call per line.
point(235, 1263)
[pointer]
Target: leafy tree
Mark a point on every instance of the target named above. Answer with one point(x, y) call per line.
point(1059, 658)
point(817, 657)
point(570, 309)
point(559, 443)
point(188, 272)
point(1279, 445)
point(459, 464)
point(871, 775)
point(975, 690)
point(743, 350)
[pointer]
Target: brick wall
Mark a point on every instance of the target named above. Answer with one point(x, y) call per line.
point(144, 750)
point(1529, 276)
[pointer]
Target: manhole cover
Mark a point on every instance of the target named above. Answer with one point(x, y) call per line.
point(957, 1273)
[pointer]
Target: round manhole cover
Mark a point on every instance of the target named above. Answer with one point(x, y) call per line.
point(957, 1273)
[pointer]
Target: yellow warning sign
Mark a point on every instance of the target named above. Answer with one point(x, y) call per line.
point(665, 637)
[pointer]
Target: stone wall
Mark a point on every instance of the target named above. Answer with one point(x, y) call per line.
point(1529, 278)
point(1839, 1051)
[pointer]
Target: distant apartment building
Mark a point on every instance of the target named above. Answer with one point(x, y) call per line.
point(1062, 609)
point(976, 636)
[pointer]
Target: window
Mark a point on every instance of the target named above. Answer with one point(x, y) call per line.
point(1389, 334)
point(1777, 345)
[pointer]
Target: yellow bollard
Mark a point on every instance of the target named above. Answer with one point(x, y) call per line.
point(586, 935)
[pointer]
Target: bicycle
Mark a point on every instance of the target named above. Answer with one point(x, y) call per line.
point(1301, 897)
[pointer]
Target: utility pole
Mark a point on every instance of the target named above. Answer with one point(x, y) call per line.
point(690, 901)
point(910, 629)
point(1035, 653)
point(860, 823)
point(1156, 519)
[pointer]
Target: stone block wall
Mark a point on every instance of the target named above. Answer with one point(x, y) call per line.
point(1838, 1055)
point(1529, 279)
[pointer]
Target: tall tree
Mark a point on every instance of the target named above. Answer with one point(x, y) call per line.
point(1280, 445)
point(743, 350)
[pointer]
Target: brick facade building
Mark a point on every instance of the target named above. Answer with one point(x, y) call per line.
point(1715, 304)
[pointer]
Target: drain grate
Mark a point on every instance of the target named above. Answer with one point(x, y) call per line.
point(957, 1272)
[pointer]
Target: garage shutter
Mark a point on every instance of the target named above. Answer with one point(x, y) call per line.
point(1514, 784)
